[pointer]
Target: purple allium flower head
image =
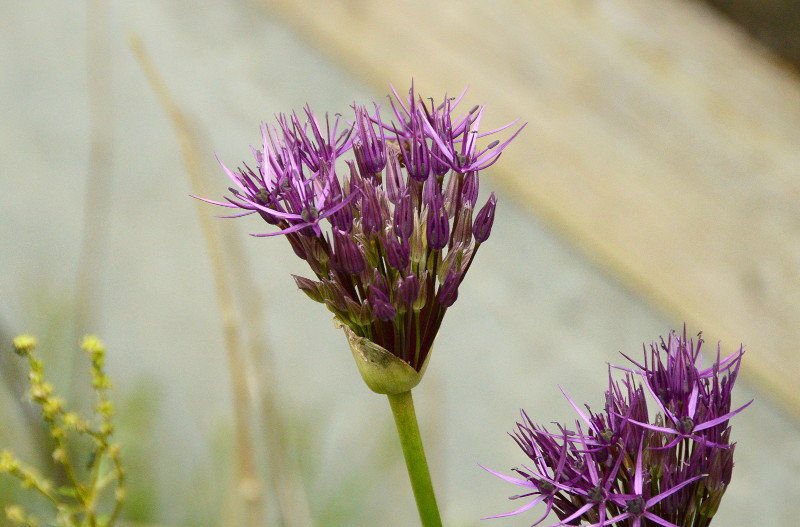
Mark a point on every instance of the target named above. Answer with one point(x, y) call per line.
point(618, 467)
point(377, 229)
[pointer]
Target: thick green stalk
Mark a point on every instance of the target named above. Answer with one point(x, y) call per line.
point(406, 421)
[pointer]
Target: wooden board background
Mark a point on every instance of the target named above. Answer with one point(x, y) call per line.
point(662, 141)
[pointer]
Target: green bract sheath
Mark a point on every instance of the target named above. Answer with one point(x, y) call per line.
point(383, 372)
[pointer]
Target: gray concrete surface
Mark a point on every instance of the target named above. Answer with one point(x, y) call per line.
point(532, 315)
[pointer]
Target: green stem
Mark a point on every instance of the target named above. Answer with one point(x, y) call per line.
point(406, 421)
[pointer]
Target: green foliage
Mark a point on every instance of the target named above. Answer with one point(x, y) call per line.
point(136, 422)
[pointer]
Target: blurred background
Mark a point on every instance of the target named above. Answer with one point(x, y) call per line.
point(656, 184)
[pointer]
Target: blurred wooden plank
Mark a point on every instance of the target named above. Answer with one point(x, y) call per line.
point(776, 23)
point(660, 140)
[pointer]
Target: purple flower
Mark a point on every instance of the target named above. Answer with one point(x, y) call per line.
point(618, 467)
point(389, 238)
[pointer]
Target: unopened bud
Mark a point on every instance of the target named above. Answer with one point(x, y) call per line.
point(483, 222)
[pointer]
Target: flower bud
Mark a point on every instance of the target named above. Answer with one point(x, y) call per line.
point(397, 252)
point(310, 288)
point(371, 219)
point(448, 291)
point(439, 166)
point(342, 219)
point(316, 254)
point(453, 262)
point(450, 199)
point(422, 299)
point(418, 159)
point(417, 242)
point(407, 290)
point(381, 307)
point(469, 188)
point(462, 227)
point(347, 256)
point(483, 222)
point(438, 228)
point(369, 150)
point(395, 187)
point(403, 217)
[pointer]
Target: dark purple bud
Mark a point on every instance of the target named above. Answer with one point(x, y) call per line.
point(483, 222)
point(342, 219)
point(438, 228)
point(430, 190)
point(368, 163)
point(397, 252)
point(382, 309)
point(418, 159)
point(347, 257)
point(439, 167)
point(354, 182)
point(371, 218)
point(369, 149)
point(379, 282)
point(448, 291)
point(407, 289)
point(469, 188)
point(310, 287)
point(404, 217)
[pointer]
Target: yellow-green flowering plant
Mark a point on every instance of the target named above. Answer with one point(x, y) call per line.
point(94, 490)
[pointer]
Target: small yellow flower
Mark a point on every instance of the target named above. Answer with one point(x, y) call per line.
point(41, 390)
point(60, 455)
point(52, 406)
point(105, 408)
point(93, 345)
point(15, 514)
point(8, 462)
point(71, 420)
point(24, 344)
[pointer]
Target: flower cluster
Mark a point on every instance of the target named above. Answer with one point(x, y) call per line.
point(390, 232)
point(619, 467)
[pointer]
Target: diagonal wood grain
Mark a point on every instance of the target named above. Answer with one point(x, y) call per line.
point(661, 141)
